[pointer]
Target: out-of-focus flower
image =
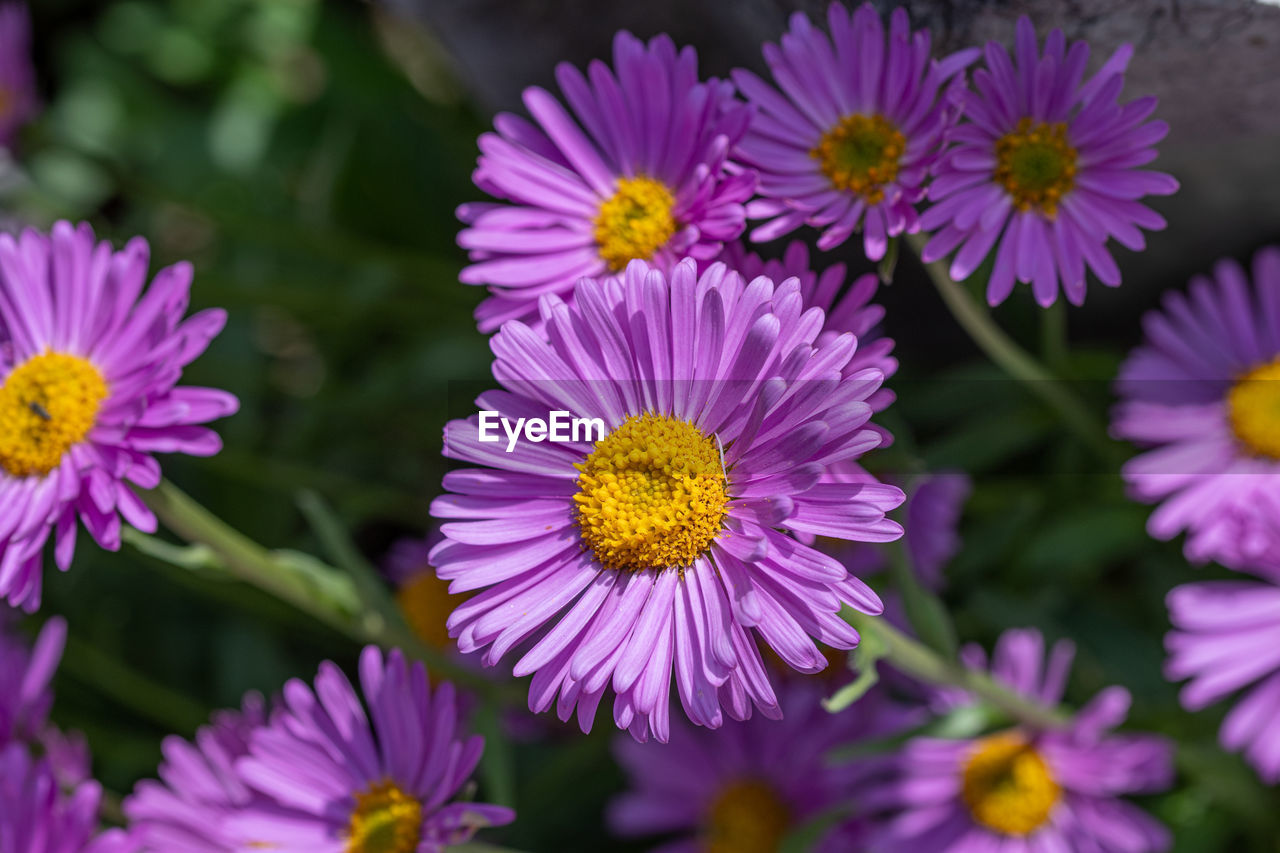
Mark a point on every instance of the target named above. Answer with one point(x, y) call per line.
point(189, 809)
point(664, 544)
point(37, 817)
point(89, 371)
point(640, 170)
point(1025, 790)
point(743, 788)
point(383, 781)
point(934, 504)
point(1226, 638)
point(1202, 395)
point(422, 595)
point(850, 139)
point(1045, 169)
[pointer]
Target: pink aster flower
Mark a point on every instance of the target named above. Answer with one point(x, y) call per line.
point(385, 780)
point(17, 76)
point(849, 141)
point(1202, 396)
point(37, 817)
point(1046, 165)
point(638, 170)
point(745, 787)
point(661, 542)
point(1022, 790)
point(89, 366)
point(1226, 638)
point(189, 810)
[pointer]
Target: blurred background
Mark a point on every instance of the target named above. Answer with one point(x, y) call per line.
point(307, 157)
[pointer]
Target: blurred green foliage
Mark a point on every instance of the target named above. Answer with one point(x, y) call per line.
point(308, 157)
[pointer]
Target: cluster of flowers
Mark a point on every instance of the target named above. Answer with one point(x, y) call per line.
point(692, 545)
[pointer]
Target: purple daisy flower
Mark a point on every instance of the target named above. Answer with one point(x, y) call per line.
point(1045, 164)
point(89, 366)
point(639, 170)
point(389, 786)
point(661, 541)
point(17, 77)
point(190, 809)
point(37, 817)
point(1203, 394)
point(849, 141)
point(1226, 638)
point(743, 788)
point(1020, 790)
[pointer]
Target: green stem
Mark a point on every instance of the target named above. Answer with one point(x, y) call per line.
point(919, 661)
point(1014, 360)
point(925, 611)
point(313, 587)
point(1053, 335)
point(239, 555)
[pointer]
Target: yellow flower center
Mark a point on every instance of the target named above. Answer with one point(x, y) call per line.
point(747, 817)
point(1253, 406)
point(426, 604)
point(1008, 786)
point(385, 820)
point(861, 154)
point(652, 494)
point(47, 405)
point(635, 222)
point(1036, 165)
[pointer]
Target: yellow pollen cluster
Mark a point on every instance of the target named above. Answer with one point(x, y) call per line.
point(426, 604)
point(1008, 786)
point(1253, 407)
point(47, 405)
point(635, 222)
point(747, 817)
point(861, 154)
point(651, 495)
point(1036, 165)
point(385, 820)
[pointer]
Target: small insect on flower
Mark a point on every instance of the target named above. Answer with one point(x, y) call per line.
point(89, 393)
